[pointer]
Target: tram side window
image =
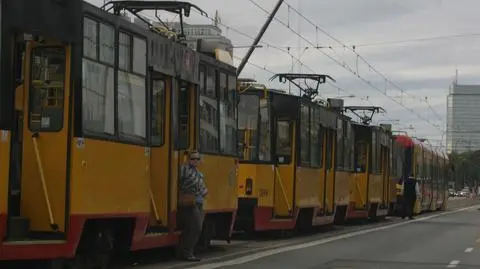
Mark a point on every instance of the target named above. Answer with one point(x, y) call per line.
point(124, 51)
point(341, 141)
point(284, 142)
point(380, 152)
point(349, 140)
point(373, 162)
point(316, 139)
point(158, 112)
point(107, 44)
point(183, 115)
point(131, 96)
point(330, 148)
point(247, 126)
point(208, 109)
point(264, 153)
point(90, 38)
point(139, 64)
point(400, 163)
point(304, 135)
point(47, 89)
point(227, 115)
point(360, 156)
point(348, 146)
point(98, 114)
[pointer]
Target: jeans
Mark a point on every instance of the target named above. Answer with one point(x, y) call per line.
point(192, 217)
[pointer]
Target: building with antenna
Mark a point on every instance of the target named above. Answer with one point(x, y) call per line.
point(208, 32)
point(463, 122)
point(194, 32)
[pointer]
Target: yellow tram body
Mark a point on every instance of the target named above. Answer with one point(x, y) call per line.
point(370, 182)
point(101, 154)
point(344, 186)
point(278, 186)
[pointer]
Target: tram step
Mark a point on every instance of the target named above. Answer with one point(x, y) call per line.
point(18, 228)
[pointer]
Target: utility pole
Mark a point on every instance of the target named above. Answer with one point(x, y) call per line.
point(259, 37)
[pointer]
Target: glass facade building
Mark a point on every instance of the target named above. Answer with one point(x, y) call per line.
point(463, 118)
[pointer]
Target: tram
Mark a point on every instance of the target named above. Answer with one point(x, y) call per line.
point(98, 113)
point(430, 168)
point(370, 181)
point(286, 172)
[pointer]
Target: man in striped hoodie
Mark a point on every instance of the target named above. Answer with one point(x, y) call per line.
point(191, 182)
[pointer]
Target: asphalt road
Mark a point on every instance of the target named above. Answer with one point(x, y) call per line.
point(446, 240)
point(434, 240)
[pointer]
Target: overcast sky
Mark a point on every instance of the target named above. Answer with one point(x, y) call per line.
point(423, 69)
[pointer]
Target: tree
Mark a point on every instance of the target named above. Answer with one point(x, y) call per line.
point(467, 168)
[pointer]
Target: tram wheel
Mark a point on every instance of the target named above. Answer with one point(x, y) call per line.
point(95, 253)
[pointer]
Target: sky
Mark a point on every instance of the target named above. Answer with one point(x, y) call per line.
point(422, 72)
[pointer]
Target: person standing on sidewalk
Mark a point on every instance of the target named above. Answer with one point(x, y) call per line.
point(192, 192)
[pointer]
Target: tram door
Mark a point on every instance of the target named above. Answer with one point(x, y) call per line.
point(386, 174)
point(183, 127)
point(330, 170)
point(14, 190)
point(284, 168)
point(45, 138)
point(160, 147)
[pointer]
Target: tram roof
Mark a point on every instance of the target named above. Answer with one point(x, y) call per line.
point(166, 56)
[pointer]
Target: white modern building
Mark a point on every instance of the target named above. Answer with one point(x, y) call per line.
point(207, 32)
point(210, 33)
point(463, 118)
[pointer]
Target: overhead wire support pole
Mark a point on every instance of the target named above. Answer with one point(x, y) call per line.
point(259, 37)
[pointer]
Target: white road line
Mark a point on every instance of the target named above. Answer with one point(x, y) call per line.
point(468, 250)
point(453, 264)
point(266, 253)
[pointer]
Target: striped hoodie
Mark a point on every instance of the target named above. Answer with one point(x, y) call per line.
point(192, 182)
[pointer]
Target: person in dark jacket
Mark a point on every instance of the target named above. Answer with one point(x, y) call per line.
point(410, 193)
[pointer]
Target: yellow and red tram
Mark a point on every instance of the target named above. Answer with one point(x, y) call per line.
point(431, 169)
point(104, 112)
point(286, 172)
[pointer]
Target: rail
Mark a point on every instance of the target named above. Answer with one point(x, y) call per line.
point(155, 209)
point(53, 225)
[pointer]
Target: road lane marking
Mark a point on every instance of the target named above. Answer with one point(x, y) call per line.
point(271, 252)
point(468, 250)
point(453, 264)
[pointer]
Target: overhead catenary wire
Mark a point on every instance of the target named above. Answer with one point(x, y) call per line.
point(348, 68)
point(391, 42)
point(328, 82)
point(278, 48)
point(287, 51)
point(352, 49)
